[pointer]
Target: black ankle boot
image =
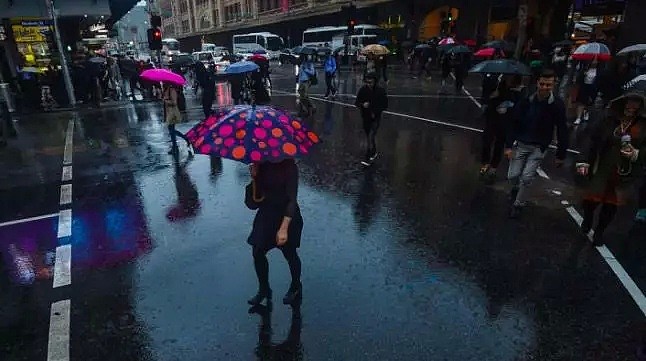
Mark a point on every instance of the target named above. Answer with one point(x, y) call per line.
point(294, 294)
point(259, 297)
point(597, 239)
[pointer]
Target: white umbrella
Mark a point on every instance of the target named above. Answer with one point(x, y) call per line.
point(637, 84)
point(633, 49)
point(591, 51)
point(446, 41)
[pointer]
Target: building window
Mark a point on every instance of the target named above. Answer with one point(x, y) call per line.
point(216, 17)
point(232, 12)
point(205, 22)
point(183, 7)
point(268, 5)
point(186, 26)
point(169, 30)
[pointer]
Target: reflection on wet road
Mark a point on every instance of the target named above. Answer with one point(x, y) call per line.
point(412, 259)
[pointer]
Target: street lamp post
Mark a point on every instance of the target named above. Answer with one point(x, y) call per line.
point(66, 71)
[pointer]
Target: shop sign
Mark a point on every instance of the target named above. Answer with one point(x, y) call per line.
point(97, 27)
point(29, 34)
point(36, 23)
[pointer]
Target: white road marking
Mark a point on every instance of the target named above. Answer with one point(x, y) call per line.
point(67, 173)
point(63, 266)
point(58, 346)
point(475, 101)
point(541, 173)
point(69, 149)
point(65, 223)
point(617, 268)
point(66, 194)
point(451, 125)
point(30, 219)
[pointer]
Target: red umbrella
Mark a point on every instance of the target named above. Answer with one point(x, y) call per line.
point(470, 42)
point(591, 51)
point(258, 57)
point(485, 53)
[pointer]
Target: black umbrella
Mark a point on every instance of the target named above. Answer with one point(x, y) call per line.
point(498, 44)
point(501, 66)
point(308, 51)
point(460, 49)
point(446, 47)
point(423, 46)
point(564, 43)
point(636, 85)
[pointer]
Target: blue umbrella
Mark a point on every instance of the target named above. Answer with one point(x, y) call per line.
point(241, 67)
point(423, 46)
point(259, 51)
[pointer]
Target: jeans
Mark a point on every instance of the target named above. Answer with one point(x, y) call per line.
point(306, 105)
point(370, 127)
point(329, 81)
point(522, 170)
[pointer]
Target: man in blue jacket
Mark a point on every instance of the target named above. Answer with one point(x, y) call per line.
point(530, 133)
point(330, 74)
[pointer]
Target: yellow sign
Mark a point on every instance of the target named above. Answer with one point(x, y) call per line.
point(29, 34)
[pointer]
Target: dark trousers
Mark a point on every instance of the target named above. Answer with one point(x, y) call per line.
point(262, 266)
point(493, 143)
point(174, 133)
point(642, 194)
point(329, 82)
point(606, 215)
point(207, 102)
point(370, 127)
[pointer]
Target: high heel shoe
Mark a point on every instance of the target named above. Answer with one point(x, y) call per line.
point(294, 294)
point(259, 297)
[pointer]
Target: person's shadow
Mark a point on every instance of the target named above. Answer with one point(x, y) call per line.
point(367, 204)
point(188, 201)
point(291, 348)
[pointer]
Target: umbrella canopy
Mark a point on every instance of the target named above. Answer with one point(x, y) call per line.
point(502, 66)
point(445, 48)
point(459, 49)
point(486, 52)
point(617, 105)
point(591, 51)
point(307, 51)
point(423, 46)
point(241, 67)
point(163, 75)
point(259, 51)
point(498, 44)
point(257, 57)
point(563, 43)
point(637, 84)
point(638, 48)
point(375, 49)
point(446, 41)
point(252, 134)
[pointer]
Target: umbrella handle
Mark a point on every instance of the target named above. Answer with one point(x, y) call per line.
point(253, 190)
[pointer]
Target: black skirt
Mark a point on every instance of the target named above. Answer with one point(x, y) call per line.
point(266, 224)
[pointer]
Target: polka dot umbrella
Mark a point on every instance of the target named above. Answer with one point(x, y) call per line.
point(252, 134)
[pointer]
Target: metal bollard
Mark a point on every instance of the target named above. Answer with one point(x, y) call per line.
point(5, 95)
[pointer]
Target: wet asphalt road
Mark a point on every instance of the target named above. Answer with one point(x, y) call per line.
point(412, 259)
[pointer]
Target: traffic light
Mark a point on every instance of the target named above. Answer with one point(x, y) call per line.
point(352, 18)
point(154, 39)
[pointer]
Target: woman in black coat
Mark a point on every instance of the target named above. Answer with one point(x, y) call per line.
point(278, 223)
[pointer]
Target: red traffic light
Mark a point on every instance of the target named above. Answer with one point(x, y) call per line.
point(157, 34)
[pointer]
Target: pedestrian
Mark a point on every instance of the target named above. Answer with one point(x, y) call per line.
point(446, 71)
point(173, 116)
point(460, 71)
point(587, 82)
point(498, 115)
point(382, 65)
point(306, 78)
point(372, 100)
point(614, 158)
point(235, 82)
point(330, 74)
point(278, 223)
point(532, 129)
point(208, 91)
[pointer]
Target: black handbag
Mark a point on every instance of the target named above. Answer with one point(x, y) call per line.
point(251, 198)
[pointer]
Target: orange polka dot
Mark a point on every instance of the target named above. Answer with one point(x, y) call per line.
point(262, 145)
point(241, 133)
point(277, 132)
point(238, 152)
point(313, 137)
point(296, 125)
point(289, 149)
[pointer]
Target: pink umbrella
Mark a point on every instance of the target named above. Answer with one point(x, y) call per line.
point(163, 75)
point(591, 51)
point(447, 41)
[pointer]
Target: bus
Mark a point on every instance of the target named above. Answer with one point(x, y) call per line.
point(170, 48)
point(246, 43)
point(317, 37)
